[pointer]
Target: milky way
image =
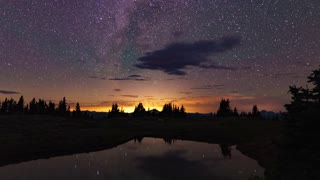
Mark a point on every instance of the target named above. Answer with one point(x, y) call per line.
point(93, 51)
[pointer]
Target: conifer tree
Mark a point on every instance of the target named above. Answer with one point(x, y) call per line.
point(224, 109)
point(20, 105)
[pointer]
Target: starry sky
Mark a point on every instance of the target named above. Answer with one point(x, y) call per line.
point(190, 52)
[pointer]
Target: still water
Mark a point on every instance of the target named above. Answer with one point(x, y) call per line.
point(147, 158)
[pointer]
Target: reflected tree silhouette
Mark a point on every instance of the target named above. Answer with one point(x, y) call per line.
point(226, 150)
point(169, 140)
point(138, 139)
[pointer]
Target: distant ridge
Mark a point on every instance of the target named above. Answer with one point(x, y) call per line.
point(270, 115)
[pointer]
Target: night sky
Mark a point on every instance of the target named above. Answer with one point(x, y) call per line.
point(190, 52)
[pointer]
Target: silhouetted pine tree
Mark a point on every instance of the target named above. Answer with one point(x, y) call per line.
point(182, 110)
point(255, 111)
point(171, 110)
point(304, 108)
point(300, 149)
point(51, 108)
point(116, 112)
point(11, 106)
point(167, 110)
point(42, 106)
point(235, 112)
point(33, 109)
point(224, 109)
point(20, 105)
point(4, 106)
point(77, 111)
point(115, 108)
point(139, 111)
point(314, 94)
point(62, 108)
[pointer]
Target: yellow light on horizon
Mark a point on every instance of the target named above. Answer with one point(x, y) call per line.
point(126, 109)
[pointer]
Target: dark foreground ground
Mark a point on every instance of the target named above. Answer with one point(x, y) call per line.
point(30, 137)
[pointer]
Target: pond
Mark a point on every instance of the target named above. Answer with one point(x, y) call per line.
point(143, 158)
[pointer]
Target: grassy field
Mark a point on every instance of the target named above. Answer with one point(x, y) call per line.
point(29, 137)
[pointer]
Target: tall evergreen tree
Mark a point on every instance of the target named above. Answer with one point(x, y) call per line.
point(33, 106)
point(51, 108)
point(62, 108)
point(182, 110)
point(20, 105)
point(12, 104)
point(235, 112)
point(224, 109)
point(115, 108)
point(304, 108)
point(77, 110)
point(4, 106)
point(314, 79)
point(42, 106)
point(255, 111)
point(139, 110)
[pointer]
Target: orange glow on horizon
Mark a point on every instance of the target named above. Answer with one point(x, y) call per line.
point(201, 104)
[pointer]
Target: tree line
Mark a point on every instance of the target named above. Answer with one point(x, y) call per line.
point(168, 110)
point(225, 110)
point(40, 106)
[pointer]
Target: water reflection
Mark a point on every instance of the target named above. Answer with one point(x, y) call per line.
point(226, 150)
point(143, 158)
point(138, 139)
point(169, 140)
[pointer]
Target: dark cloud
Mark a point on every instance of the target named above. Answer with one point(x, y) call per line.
point(128, 79)
point(130, 96)
point(117, 90)
point(174, 58)
point(119, 79)
point(96, 77)
point(214, 66)
point(8, 92)
point(203, 87)
point(186, 93)
point(174, 79)
point(140, 79)
point(216, 86)
point(134, 76)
